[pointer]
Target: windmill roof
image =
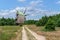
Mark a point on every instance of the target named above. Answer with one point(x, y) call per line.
point(20, 13)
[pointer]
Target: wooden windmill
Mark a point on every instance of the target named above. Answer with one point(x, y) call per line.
point(20, 17)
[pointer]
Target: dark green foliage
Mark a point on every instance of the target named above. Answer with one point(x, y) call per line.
point(30, 22)
point(7, 21)
point(37, 23)
point(42, 21)
point(6, 36)
point(50, 26)
point(58, 23)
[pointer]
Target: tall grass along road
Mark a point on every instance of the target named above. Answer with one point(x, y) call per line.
point(10, 32)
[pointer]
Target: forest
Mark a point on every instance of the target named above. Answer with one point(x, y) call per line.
point(49, 22)
point(7, 21)
point(55, 19)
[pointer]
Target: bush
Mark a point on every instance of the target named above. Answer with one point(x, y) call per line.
point(50, 26)
point(7, 21)
point(37, 23)
point(43, 21)
point(30, 22)
point(58, 23)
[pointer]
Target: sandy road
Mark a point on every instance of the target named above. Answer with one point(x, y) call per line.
point(24, 34)
point(38, 37)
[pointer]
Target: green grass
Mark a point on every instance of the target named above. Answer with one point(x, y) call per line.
point(7, 32)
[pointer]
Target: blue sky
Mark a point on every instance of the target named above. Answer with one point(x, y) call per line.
point(36, 8)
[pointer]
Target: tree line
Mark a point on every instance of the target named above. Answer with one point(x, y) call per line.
point(7, 21)
point(49, 22)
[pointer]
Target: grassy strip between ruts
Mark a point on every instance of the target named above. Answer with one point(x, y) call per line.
point(8, 32)
point(30, 36)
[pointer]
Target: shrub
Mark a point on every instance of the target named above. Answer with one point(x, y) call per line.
point(58, 23)
point(37, 23)
point(43, 21)
point(30, 22)
point(50, 26)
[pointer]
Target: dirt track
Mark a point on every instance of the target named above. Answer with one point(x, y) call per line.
point(24, 35)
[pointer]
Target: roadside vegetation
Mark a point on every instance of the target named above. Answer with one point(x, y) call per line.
point(48, 26)
point(48, 22)
point(49, 35)
point(9, 32)
point(7, 21)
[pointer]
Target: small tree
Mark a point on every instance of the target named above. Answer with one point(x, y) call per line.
point(43, 21)
point(37, 23)
point(58, 23)
point(50, 26)
point(30, 22)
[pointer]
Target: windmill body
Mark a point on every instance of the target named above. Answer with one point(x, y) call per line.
point(20, 17)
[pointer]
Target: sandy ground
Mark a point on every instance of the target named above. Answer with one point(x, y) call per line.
point(24, 34)
point(25, 37)
point(38, 37)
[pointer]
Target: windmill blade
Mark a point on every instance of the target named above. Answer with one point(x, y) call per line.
point(27, 14)
point(25, 10)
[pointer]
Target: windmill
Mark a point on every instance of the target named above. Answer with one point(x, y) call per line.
point(20, 17)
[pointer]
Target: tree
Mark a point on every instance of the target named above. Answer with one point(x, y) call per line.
point(50, 26)
point(30, 22)
point(38, 24)
point(58, 23)
point(7, 21)
point(43, 21)
point(2, 21)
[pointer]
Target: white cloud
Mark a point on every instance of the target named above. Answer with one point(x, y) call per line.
point(17, 8)
point(3, 14)
point(21, 0)
point(50, 13)
point(35, 3)
point(20, 8)
point(9, 12)
point(32, 14)
point(12, 11)
point(58, 2)
point(6, 12)
point(31, 11)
